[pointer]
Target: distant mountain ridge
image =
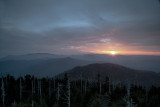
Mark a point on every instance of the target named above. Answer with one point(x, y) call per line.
point(32, 56)
point(39, 67)
point(44, 64)
point(142, 62)
point(116, 73)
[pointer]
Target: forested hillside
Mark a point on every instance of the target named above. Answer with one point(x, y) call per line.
point(30, 91)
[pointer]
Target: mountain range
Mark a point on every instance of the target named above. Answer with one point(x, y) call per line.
point(39, 67)
point(45, 64)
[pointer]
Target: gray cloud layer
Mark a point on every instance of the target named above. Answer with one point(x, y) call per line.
point(75, 26)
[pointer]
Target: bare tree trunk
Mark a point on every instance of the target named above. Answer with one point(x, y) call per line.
point(54, 84)
point(38, 87)
point(85, 87)
point(109, 86)
point(81, 84)
point(32, 92)
point(69, 93)
point(100, 87)
point(49, 89)
point(147, 89)
point(3, 93)
point(20, 86)
point(58, 94)
point(40, 91)
point(128, 95)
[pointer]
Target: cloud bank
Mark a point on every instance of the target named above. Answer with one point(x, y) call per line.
point(79, 26)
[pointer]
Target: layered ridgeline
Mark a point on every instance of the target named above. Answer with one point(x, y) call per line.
point(44, 64)
point(116, 73)
point(39, 67)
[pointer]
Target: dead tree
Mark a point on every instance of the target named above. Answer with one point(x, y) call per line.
point(33, 84)
point(128, 95)
point(20, 92)
point(69, 94)
point(3, 93)
point(49, 89)
point(40, 90)
point(58, 94)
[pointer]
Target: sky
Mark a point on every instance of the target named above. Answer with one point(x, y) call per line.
point(127, 27)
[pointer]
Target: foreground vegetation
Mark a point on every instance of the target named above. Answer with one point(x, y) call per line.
point(29, 91)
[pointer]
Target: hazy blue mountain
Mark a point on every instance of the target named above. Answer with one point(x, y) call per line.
point(116, 73)
point(39, 67)
point(32, 56)
point(44, 64)
point(142, 62)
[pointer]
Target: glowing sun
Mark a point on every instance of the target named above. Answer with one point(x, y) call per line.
point(110, 52)
point(113, 52)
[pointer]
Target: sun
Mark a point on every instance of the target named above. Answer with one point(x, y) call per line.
point(112, 52)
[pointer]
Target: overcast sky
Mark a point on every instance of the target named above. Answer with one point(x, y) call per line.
point(79, 26)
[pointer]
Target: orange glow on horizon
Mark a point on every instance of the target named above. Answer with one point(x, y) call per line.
point(113, 49)
point(128, 53)
point(109, 52)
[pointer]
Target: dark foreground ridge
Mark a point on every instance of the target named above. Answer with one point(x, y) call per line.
point(116, 73)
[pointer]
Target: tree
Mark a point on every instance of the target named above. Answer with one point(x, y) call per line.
point(3, 93)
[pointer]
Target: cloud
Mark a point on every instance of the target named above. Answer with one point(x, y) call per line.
point(78, 25)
